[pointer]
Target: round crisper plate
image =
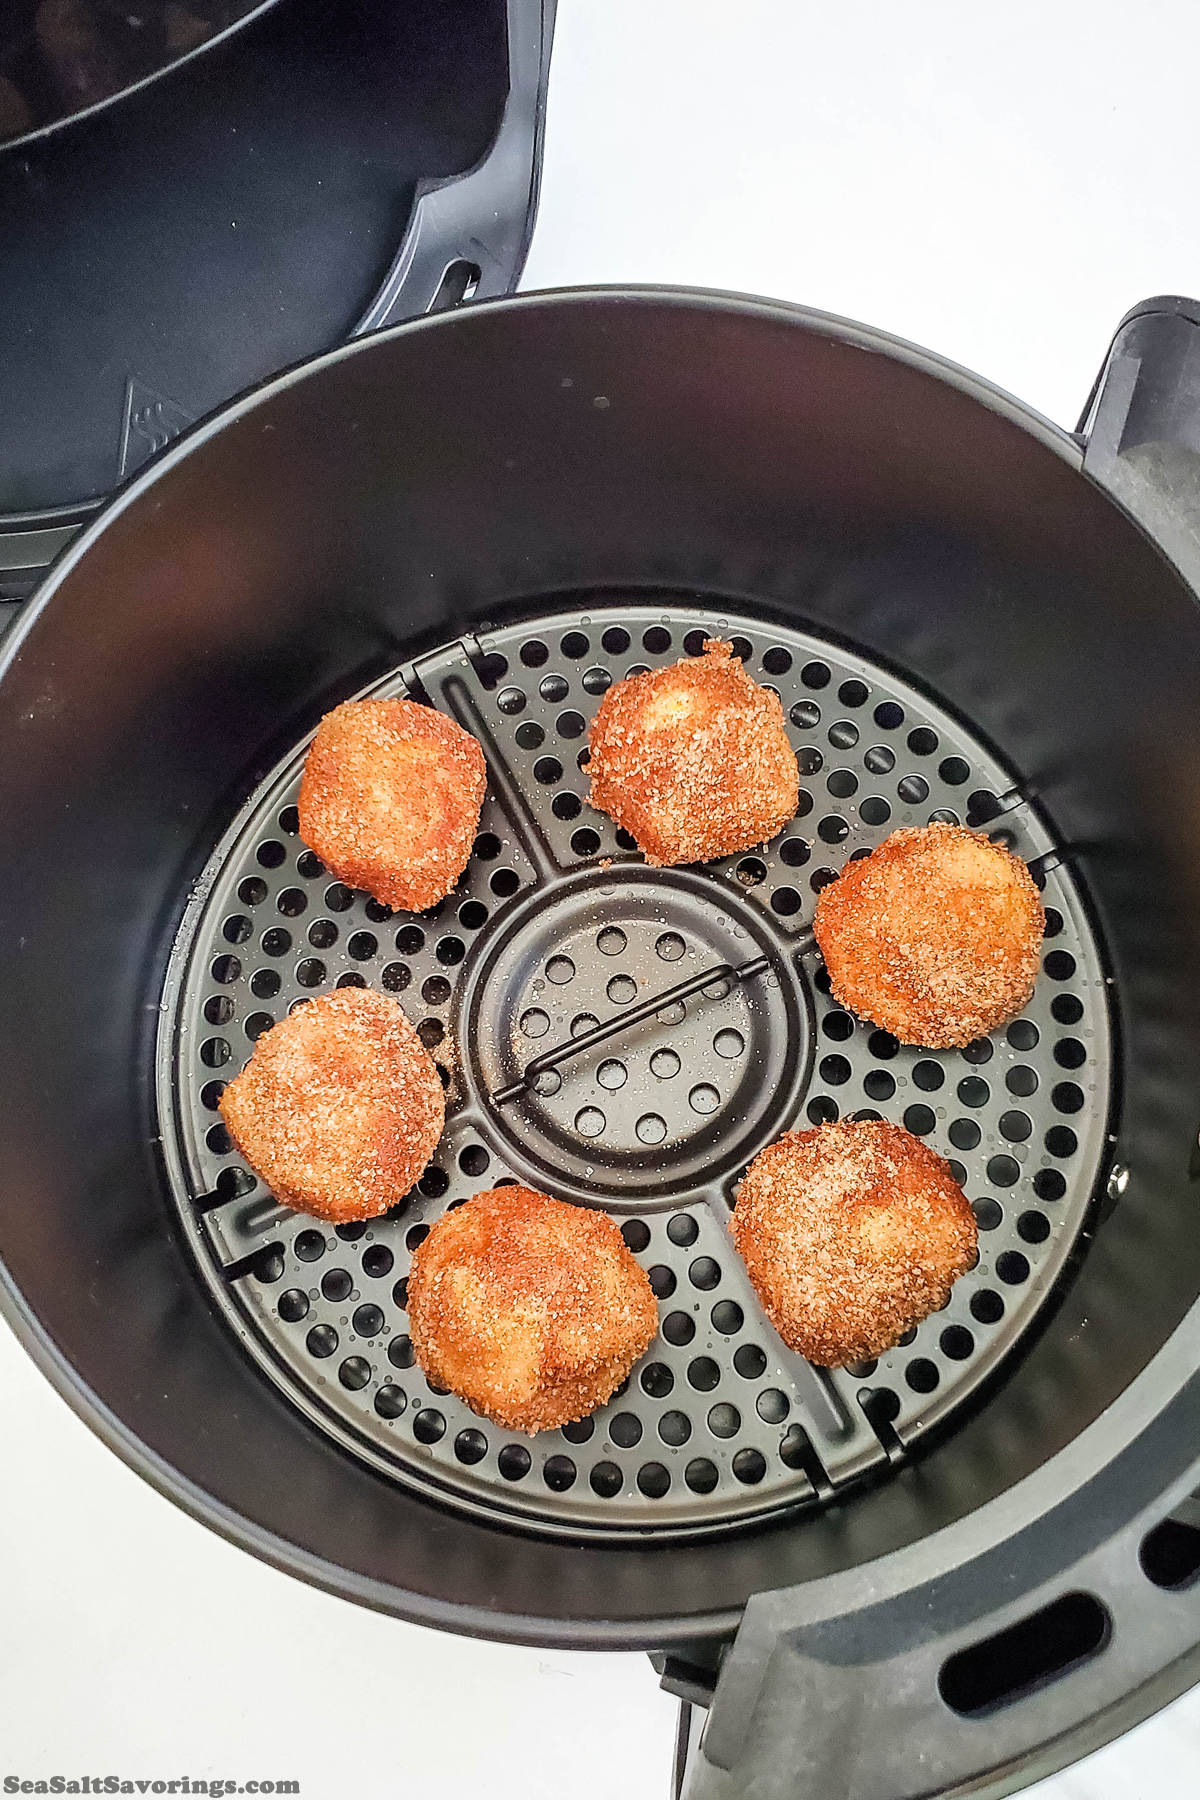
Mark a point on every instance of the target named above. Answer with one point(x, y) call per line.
point(556, 926)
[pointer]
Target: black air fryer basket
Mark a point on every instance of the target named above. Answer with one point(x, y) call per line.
point(950, 1569)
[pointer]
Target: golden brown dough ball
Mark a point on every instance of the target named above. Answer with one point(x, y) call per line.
point(390, 799)
point(530, 1310)
point(936, 936)
point(852, 1234)
point(340, 1107)
point(693, 760)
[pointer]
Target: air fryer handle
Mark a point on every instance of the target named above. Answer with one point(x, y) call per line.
point(942, 1687)
point(1141, 425)
point(468, 237)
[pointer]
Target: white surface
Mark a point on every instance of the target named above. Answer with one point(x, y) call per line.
point(134, 1642)
point(999, 184)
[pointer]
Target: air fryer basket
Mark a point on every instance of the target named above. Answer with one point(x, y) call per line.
point(557, 932)
point(499, 513)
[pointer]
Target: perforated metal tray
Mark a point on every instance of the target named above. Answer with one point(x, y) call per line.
point(556, 925)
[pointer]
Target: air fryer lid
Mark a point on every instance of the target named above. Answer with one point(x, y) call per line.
point(244, 210)
point(63, 59)
point(473, 480)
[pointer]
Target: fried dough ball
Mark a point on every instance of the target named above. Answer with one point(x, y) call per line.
point(390, 799)
point(530, 1310)
point(852, 1234)
point(340, 1107)
point(693, 760)
point(936, 936)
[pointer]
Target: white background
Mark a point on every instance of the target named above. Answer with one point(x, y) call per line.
point(998, 182)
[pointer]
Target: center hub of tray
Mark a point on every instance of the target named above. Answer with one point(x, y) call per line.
point(665, 1106)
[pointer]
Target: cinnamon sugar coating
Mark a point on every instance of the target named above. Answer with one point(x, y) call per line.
point(340, 1107)
point(852, 1234)
point(530, 1310)
point(390, 799)
point(936, 936)
point(694, 759)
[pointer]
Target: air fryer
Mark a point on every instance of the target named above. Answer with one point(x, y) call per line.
point(953, 1568)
